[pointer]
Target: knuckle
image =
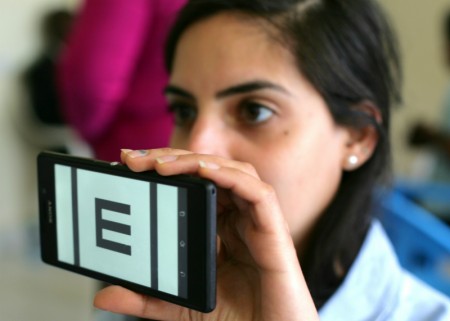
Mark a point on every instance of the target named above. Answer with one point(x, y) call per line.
point(267, 192)
point(249, 168)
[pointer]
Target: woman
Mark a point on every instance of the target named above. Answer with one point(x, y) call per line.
point(285, 106)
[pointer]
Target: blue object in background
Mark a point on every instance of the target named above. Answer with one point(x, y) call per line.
point(421, 240)
point(433, 196)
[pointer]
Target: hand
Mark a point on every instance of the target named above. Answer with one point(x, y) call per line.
point(258, 273)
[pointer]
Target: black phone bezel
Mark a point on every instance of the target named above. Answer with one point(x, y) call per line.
point(201, 289)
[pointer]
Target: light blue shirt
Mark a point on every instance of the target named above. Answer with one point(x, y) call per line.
point(378, 289)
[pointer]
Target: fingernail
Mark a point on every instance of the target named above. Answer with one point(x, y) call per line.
point(137, 153)
point(166, 159)
point(208, 165)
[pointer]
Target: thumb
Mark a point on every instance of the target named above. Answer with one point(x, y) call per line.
point(117, 299)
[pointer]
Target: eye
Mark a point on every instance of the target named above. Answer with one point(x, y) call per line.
point(184, 113)
point(252, 112)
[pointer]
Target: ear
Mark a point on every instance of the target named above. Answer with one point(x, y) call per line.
point(361, 142)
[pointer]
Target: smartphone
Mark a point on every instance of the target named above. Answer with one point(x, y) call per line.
point(150, 233)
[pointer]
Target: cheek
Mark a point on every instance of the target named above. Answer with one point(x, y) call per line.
point(306, 183)
point(178, 139)
point(304, 195)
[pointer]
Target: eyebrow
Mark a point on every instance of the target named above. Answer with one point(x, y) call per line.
point(233, 90)
point(249, 87)
point(174, 90)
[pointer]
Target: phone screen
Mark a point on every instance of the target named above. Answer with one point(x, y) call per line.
point(127, 228)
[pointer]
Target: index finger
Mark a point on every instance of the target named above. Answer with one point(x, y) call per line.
point(144, 159)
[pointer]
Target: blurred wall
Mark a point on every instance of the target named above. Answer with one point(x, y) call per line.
point(419, 27)
point(19, 44)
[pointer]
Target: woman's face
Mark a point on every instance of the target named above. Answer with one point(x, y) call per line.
point(238, 94)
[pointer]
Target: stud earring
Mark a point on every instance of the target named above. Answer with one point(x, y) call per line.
point(352, 160)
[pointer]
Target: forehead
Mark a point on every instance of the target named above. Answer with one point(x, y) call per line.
point(232, 46)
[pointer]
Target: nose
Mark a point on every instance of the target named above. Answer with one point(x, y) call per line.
point(208, 136)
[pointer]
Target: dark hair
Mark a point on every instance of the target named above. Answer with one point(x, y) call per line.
point(348, 52)
point(55, 26)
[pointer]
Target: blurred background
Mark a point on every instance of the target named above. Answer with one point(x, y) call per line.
point(30, 290)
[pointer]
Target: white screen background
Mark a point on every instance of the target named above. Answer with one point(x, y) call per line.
point(136, 267)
